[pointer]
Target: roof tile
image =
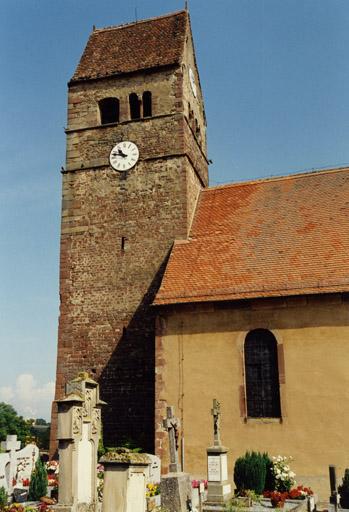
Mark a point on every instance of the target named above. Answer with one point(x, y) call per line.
point(272, 237)
point(133, 47)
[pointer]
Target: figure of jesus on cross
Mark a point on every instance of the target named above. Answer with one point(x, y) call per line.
point(216, 412)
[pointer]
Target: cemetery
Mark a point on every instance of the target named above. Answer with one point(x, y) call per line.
point(126, 480)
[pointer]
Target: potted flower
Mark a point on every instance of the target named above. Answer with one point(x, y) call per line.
point(300, 493)
point(153, 496)
point(278, 498)
point(284, 477)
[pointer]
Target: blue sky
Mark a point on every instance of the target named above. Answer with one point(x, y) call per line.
point(275, 79)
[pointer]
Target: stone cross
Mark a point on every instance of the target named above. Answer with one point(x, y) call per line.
point(216, 412)
point(11, 445)
point(171, 424)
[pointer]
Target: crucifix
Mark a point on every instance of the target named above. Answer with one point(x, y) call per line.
point(11, 445)
point(171, 424)
point(216, 412)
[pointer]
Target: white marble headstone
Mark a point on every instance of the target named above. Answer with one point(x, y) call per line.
point(154, 471)
point(26, 459)
point(4, 469)
point(16, 464)
point(135, 497)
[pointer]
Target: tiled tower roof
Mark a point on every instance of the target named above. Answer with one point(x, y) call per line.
point(272, 237)
point(133, 47)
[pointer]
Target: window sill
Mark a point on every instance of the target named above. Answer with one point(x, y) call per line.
point(264, 421)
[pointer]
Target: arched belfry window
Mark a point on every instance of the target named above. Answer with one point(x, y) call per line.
point(135, 106)
point(109, 109)
point(262, 375)
point(146, 99)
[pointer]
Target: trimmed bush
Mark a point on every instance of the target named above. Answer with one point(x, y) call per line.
point(250, 472)
point(270, 484)
point(38, 482)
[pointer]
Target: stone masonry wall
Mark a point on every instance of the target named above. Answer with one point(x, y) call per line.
point(117, 232)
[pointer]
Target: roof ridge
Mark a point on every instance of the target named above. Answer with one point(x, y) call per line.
point(131, 23)
point(267, 179)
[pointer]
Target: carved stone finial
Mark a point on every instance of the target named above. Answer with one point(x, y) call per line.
point(83, 375)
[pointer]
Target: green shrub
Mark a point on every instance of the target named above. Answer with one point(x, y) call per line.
point(3, 498)
point(38, 482)
point(250, 472)
point(343, 490)
point(270, 484)
point(345, 482)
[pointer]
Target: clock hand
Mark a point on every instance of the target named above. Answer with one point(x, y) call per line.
point(121, 153)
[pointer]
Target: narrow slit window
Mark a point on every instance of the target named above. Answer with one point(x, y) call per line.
point(147, 106)
point(197, 130)
point(262, 375)
point(109, 109)
point(123, 243)
point(135, 107)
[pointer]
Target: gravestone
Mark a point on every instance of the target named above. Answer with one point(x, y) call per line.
point(4, 470)
point(218, 487)
point(171, 424)
point(16, 465)
point(154, 469)
point(26, 459)
point(124, 481)
point(175, 486)
point(78, 433)
point(10, 446)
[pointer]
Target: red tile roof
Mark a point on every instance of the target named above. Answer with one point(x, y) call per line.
point(272, 237)
point(132, 47)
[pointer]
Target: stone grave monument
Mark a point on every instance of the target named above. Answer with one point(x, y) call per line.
point(175, 486)
point(125, 476)
point(78, 433)
point(218, 487)
point(16, 465)
point(154, 469)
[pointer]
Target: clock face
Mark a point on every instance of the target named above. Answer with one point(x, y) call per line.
point(192, 82)
point(124, 155)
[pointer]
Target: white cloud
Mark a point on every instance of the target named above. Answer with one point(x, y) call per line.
point(6, 393)
point(30, 399)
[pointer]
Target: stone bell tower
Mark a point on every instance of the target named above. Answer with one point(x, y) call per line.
point(136, 83)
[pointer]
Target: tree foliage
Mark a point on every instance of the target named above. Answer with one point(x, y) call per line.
point(11, 423)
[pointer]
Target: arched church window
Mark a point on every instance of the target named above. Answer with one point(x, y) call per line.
point(109, 109)
point(147, 107)
point(262, 375)
point(135, 106)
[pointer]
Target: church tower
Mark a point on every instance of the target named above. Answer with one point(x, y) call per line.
point(135, 164)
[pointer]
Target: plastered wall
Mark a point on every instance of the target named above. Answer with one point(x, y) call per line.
point(200, 357)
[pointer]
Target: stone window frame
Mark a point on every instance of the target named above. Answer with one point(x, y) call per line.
point(282, 381)
point(147, 104)
point(104, 104)
point(134, 105)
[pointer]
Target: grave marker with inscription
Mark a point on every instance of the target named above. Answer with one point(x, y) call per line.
point(218, 487)
point(16, 465)
point(79, 426)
